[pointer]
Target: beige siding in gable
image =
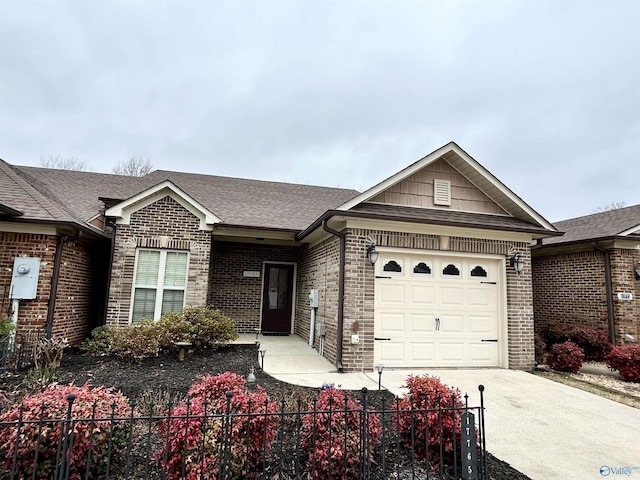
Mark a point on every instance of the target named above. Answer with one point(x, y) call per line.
point(417, 191)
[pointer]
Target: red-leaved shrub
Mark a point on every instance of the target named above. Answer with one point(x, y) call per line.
point(423, 423)
point(90, 438)
point(595, 343)
point(332, 435)
point(565, 357)
point(626, 360)
point(199, 437)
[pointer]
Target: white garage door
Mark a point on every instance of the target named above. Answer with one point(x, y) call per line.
point(437, 311)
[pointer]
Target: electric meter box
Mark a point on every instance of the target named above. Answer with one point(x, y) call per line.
point(24, 281)
point(314, 298)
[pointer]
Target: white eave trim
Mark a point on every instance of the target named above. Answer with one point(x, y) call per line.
point(631, 231)
point(432, 157)
point(123, 210)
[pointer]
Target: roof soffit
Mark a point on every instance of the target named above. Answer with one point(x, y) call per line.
point(123, 210)
point(472, 171)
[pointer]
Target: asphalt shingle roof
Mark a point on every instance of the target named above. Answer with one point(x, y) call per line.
point(237, 201)
point(17, 194)
point(607, 224)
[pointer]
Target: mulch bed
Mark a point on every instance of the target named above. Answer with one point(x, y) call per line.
point(163, 378)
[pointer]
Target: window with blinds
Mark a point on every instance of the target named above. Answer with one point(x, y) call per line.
point(159, 283)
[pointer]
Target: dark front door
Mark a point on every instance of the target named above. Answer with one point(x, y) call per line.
point(277, 299)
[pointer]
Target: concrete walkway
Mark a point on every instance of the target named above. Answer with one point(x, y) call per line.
point(544, 429)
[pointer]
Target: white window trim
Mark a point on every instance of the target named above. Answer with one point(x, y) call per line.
point(159, 287)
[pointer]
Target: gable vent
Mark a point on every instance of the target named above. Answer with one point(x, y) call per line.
point(441, 192)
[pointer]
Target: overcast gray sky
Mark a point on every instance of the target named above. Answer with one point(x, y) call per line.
point(544, 94)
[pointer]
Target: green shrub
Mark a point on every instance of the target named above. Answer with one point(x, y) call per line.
point(566, 357)
point(6, 327)
point(136, 342)
point(173, 327)
point(626, 360)
point(210, 327)
point(101, 341)
point(203, 327)
point(88, 453)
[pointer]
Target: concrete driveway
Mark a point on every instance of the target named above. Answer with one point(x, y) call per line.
point(544, 429)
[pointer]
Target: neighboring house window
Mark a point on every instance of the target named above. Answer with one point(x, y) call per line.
point(159, 283)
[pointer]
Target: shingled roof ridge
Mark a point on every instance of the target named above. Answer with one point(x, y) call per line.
point(223, 177)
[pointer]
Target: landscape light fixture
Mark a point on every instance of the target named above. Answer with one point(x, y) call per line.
point(517, 262)
point(251, 379)
point(262, 352)
point(379, 367)
point(372, 254)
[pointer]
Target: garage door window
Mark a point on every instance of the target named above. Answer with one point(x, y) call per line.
point(451, 269)
point(422, 268)
point(392, 266)
point(478, 271)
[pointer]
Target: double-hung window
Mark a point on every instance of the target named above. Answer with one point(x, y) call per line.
point(159, 283)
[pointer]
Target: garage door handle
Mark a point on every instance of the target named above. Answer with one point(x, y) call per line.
point(379, 338)
point(488, 283)
point(437, 324)
point(379, 276)
point(492, 340)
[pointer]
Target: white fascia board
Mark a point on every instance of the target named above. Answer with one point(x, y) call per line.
point(631, 231)
point(16, 227)
point(420, 164)
point(123, 210)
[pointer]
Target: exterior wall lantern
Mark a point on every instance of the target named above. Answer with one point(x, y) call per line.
point(637, 270)
point(517, 263)
point(372, 254)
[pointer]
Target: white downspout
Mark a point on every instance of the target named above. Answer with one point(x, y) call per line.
point(312, 328)
point(14, 320)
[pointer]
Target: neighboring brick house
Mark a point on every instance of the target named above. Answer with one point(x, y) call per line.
point(442, 292)
point(591, 275)
point(69, 287)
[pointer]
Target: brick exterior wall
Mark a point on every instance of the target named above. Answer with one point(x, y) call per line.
point(163, 224)
point(80, 277)
point(570, 288)
point(32, 313)
point(319, 269)
point(235, 295)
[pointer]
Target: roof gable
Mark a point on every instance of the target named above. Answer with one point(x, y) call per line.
point(123, 210)
point(477, 189)
point(418, 190)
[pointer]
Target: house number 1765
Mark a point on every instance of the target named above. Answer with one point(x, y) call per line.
point(468, 450)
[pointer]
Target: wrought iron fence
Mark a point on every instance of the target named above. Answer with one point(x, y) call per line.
point(16, 351)
point(266, 443)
